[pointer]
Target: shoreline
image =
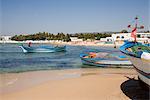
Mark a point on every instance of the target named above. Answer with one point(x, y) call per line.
point(55, 84)
point(83, 43)
point(43, 70)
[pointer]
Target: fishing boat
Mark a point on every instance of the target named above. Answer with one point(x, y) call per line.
point(139, 55)
point(147, 45)
point(31, 49)
point(104, 59)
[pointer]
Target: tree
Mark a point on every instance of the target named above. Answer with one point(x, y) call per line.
point(124, 31)
point(60, 36)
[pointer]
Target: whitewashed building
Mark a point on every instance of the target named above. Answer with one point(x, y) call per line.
point(75, 39)
point(141, 37)
point(5, 38)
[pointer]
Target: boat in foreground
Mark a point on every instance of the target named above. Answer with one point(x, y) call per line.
point(105, 59)
point(30, 49)
point(140, 57)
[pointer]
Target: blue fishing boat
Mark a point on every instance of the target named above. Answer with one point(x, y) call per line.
point(147, 45)
point(104, 59)
point(30, 49)
point(139, 55)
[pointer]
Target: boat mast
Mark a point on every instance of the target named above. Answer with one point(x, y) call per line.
point(134, 30)
point(136, 21)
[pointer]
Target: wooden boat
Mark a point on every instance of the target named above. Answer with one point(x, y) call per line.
point(104, 59)
point(140, 57)
point(30, 49)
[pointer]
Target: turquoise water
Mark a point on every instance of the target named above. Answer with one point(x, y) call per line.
point(12, 59)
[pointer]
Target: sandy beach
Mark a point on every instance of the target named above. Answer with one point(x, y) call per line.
point(74, 84)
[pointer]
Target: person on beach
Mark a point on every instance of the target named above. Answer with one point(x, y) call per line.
point(29, 44)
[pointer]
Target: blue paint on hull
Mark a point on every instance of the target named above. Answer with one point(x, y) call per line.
point(104, 61)
point(138, 63)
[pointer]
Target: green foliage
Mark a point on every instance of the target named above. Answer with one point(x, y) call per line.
point(60, 36)
point(92, 36)
point(42, 36)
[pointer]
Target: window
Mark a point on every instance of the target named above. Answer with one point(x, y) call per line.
point(138, 35)
point(122, 37)
point(118, 37)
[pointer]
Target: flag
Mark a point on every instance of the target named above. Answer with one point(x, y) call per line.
point(133, 34)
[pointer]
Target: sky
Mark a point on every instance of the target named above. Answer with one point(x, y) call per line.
point(70, 16)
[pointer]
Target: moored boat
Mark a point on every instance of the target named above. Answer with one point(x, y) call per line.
point(30, 49)
point(104, 59)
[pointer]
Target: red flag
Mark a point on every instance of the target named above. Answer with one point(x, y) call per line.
point(133, 34)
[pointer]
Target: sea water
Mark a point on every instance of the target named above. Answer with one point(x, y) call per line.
point(12, 59)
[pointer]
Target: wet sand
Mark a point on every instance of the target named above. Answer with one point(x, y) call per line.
point(75, 84)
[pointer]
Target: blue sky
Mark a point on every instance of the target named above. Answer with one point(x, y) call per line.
point(70, 16)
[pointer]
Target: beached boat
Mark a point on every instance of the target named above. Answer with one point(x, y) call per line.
point(104, 59)
point(147, 45)
point(30, 49)
point(140, 57)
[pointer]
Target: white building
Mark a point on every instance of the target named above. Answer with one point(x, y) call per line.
point(5, 38)
point(141, 37)
point(107, 39)
point(75, 39)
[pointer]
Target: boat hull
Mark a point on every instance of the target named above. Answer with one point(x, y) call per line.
point(108, 63)
point(102, 62)
point(142, 66)
point(42, 49)
point(143, 69)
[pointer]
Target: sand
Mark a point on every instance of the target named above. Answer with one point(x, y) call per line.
point(75, 84)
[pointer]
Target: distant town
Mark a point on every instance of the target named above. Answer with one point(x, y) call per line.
point(96, 37)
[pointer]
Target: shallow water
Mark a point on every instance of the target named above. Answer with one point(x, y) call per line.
point(12, 59)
